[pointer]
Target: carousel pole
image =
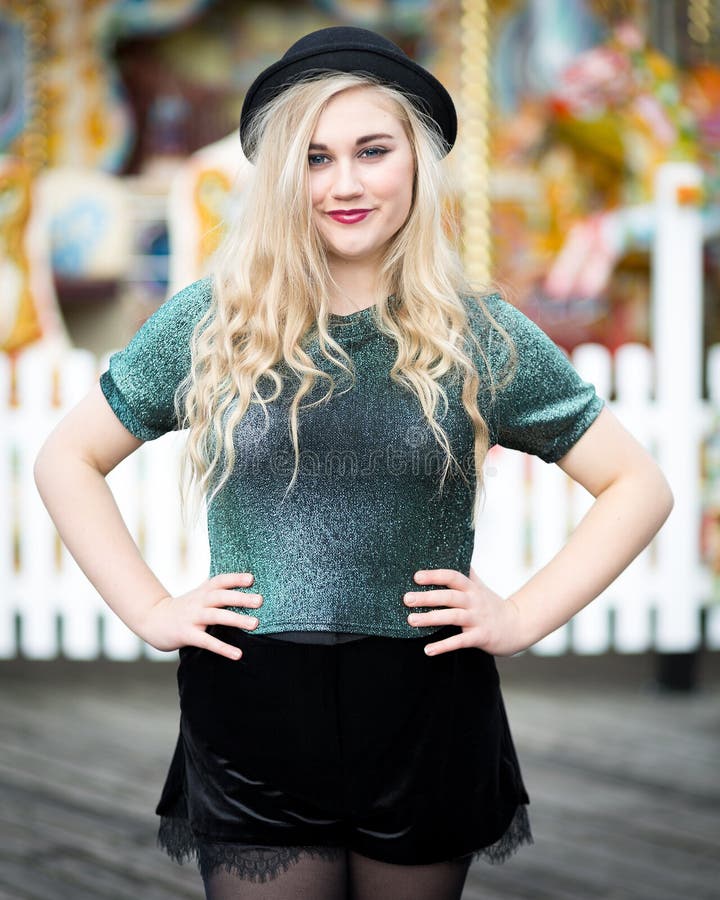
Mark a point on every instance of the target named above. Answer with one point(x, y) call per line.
point(475, 202)
point(32, 146)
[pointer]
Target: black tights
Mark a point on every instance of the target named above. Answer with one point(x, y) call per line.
point(334, 874)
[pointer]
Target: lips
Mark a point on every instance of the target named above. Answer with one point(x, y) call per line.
point(349, 216)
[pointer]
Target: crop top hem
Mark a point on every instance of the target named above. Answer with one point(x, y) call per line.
point(381, 630)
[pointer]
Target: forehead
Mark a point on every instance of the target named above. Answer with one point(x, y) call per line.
point(355, 108)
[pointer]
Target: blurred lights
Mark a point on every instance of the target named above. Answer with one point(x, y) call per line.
point(474, 118)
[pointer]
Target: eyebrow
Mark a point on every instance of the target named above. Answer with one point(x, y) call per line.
point(360, 140)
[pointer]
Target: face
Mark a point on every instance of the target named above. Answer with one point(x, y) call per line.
point(361, 175)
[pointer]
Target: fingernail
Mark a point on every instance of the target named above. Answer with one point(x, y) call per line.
point(236, 655)
point(253, 622)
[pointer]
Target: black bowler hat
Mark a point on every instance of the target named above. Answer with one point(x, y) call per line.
point(349, 49)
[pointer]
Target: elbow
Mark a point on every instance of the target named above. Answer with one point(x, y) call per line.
point(648, 491)
point(662, 496)
point(48, 461)
point(41, 466)
point(669, 497)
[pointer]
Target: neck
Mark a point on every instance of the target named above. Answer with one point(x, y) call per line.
point(356, 286)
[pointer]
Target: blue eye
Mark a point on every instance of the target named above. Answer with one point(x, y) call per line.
point(375, 151)
point(317, 156)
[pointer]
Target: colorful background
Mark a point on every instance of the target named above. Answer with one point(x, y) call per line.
point(119, 150)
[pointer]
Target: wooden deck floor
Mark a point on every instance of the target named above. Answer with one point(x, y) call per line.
point(624, 781)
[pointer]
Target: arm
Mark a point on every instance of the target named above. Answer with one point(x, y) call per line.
point(632, 500)
point(70, 472)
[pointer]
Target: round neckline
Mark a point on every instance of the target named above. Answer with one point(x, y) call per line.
point(358, 321)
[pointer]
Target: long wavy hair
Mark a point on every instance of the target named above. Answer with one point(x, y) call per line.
point(271, 287)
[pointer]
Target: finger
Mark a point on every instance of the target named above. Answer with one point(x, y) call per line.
point(233, 598)
point(214, 645)
point(229, 579)
point(452, 643)
point(212, 616)
point(436, 598)
point(451, 577)
point(439, 617)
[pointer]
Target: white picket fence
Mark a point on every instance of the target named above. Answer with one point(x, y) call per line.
point(48, 608)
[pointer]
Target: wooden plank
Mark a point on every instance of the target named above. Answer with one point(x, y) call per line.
point(625, 802)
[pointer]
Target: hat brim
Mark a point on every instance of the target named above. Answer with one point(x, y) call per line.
point(423, 89)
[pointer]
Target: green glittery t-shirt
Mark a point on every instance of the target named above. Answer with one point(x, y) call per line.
point(338, 553)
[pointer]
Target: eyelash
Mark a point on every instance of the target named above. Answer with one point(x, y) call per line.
point(381, 151)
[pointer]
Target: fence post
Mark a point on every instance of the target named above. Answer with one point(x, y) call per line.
point(677, 341)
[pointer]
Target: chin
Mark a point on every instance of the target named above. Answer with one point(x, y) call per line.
point(353, 254)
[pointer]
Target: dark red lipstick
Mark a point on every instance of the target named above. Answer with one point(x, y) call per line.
point(349, 216)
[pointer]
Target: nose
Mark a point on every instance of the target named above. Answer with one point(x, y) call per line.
point(347, 183)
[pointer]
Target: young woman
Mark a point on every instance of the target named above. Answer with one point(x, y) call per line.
point(342, 734)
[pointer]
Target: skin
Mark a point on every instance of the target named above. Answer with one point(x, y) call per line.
point(70, 473)
point(632, 496)
point(347, 172)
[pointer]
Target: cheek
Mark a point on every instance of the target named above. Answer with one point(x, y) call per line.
point(398, 182)
point(317, 190)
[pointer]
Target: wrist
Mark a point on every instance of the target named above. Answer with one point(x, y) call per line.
point(146, 627)
point(527, 631)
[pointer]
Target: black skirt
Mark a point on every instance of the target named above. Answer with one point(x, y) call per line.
point(369, 745)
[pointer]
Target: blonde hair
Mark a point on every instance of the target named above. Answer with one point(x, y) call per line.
point(271, 286)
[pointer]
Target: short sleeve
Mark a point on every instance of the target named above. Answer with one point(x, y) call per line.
point(546, 407)
point(142, 378)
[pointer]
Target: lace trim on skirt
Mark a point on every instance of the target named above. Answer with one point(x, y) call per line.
point(251, 863)
point(517, 833)
point(260, 863)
